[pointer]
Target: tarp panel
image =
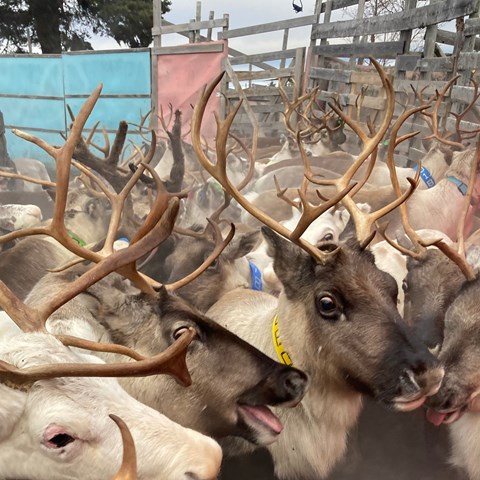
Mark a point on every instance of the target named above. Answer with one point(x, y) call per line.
point(181, 79)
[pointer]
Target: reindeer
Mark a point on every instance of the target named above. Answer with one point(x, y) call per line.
point(43, 433)
point(60, 428)
point(456, 403)
point(223, 401)
point(333, 304)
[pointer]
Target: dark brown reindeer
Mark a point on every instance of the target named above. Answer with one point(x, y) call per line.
point(457, 402)
point(434, 275)
point(336, 318)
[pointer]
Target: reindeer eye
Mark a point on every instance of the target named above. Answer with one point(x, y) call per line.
point(214, 264)
point(179, 332)
point(405, 286)
point(328, 237)
point(60, 440)
point(327, 307)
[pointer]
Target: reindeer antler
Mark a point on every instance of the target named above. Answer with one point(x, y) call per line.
point(128, 469)
point(157, 227)
point(363, 221)
point(219, 172)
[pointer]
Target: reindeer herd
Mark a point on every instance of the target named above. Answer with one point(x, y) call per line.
point(193, 303)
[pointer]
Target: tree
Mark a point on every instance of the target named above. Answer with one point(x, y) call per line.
point(59, 25)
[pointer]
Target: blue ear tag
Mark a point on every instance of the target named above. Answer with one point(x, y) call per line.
point(256, 274)
point(425, 176)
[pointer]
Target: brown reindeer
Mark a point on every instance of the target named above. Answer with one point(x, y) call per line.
point(336, 317)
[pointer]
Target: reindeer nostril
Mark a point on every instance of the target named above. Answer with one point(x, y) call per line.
point(191, 476)
point(295, 383)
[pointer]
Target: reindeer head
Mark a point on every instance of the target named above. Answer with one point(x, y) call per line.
point(60, 427)
point(349, 309)
point(460, 353)
point(225, 398)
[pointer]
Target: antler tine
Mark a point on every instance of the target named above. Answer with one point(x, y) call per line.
point(220, 245)
point(172, 361)
point(128, 469)
point(310, 212)
point(219, 170)
point(119, 141)
point(70, 113)
point(281, 194)
point(63, 157)
point(363, 221)
point(459, 116)
point(37, 181)
point(419, 244)
point(251, 160)
point(92, 132)
point(291, 107)
point(434, 116)
point(106, 149)
point(162, 118)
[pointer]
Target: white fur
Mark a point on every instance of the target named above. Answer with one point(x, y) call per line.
point(14, 217)
point(80, 407)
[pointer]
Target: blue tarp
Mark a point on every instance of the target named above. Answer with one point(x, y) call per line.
point(35, 89)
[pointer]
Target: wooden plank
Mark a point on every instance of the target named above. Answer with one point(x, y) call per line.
point(246, 104)
point(370, 78)
point(263, 57)
point(439, 64)
point(462, 94)
point(268, 108)
point(430, 86)
point(375, 103)
point(338, 4)
point(33, 97)
point(265, 125)
point(262, 93)
point(265, 74)
point(415, 18)
point(467, 126)
point(469, 61)
point(189, 48)
point(269, 27)
point(416, 62)
point(331, 74)
point(448, 38)
point(190, 26)
point(407, 62)
point(377, 50)
point(472, 26)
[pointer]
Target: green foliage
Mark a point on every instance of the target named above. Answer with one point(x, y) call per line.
point(59, 25)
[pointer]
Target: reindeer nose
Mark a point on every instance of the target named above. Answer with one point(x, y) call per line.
point(429, 379)
point(293, 385)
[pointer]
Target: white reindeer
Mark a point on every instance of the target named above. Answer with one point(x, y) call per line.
point(60, 428)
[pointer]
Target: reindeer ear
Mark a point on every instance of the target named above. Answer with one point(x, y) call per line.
point(294, 267)
point(242, 244)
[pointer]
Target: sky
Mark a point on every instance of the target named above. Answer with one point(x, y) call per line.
point(243, 13)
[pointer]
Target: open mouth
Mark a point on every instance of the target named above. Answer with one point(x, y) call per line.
point(261, 421)
point(443, 418)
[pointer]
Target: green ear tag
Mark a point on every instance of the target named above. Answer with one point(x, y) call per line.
point(76, 238)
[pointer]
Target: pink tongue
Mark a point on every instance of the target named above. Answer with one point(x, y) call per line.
point(436, 418)
point(265, 416)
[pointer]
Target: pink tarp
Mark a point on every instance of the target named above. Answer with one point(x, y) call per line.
point(180, 80)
